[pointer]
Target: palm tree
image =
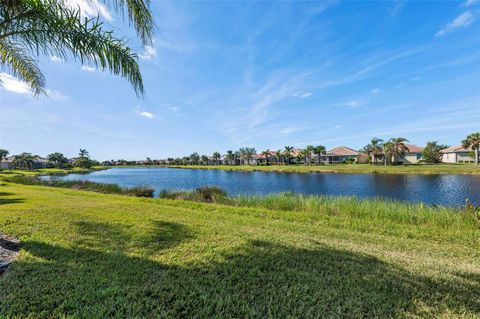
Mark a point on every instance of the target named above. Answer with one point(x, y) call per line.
point(278, 155)
point(288, 153)
point(303, 156)
point(83, 153)
point(387, 152)
point(374, 148)
point(473, 141)
point(249, 152)
point(398, 147)
point(204, 159)
point(319, 150)
point(31, 28)
point(57, 159)
point(194, 158)
point(310, 149)
point(24, 160)
point(230, 156)
point(216, 157)
point(266, 154)
point(3, 154)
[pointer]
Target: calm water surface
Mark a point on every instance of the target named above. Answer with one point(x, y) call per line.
point(451, 190)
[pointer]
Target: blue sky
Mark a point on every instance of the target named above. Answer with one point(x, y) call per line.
point(222, 75)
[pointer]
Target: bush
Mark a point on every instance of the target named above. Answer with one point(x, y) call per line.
point(210, 193)
point(141, 191)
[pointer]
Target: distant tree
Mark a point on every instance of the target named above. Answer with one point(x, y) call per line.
point(246, 153)
point(57, 159)
point(374, 149)
point(432, 153)
point(216, 157)
point(204, 159)
point(304, 155)
point(266, 154)
point(288, 153)
point(23, 161)
point(397, 148)
point(230, 157)
point(83, 162)
point(319, 150)
point(473, 141)
point(310, 150)
point(83, 153)
point(194, 158)
point(3, 154)
point(278, 155)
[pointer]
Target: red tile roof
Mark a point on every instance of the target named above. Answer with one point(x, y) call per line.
point(412, 148)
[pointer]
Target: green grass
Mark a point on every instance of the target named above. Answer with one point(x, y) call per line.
point(91, 255)
point(49, 171)
point(349, 168)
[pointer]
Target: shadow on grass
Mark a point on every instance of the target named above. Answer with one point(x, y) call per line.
point(9, 200)
point(260, 280)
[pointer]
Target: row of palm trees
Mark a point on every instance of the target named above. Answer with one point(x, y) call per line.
point(386, 152)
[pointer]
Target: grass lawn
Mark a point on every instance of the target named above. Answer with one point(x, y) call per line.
point(92, 255)
point(352, 168)
point(47, 171)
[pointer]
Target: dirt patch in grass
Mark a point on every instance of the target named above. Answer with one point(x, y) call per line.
point(9, 248)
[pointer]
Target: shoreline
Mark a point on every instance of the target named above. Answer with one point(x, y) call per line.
point(423, 169)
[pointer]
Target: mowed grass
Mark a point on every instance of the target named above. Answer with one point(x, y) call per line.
point(349, 168)
point(93, 255)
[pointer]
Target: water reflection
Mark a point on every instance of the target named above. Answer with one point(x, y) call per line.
point(433, 189)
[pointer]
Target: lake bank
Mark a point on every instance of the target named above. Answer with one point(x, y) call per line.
point(87, 253)
point(347, 168)
point(437, 189)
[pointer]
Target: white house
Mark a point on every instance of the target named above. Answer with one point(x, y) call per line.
point(457, 154)
point(414, 154)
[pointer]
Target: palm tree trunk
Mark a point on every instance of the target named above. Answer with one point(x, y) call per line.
point(476, 156)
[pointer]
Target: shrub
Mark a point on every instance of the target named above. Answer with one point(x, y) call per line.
point(141, 191)
point(210, 193)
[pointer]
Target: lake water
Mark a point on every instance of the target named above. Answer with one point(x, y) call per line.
point(451, 190)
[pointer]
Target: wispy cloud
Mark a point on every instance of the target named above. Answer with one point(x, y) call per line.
point(470, 2)
point(56, 59)
point(56, 95)
point(375, 91)
point(142, 113)
point(355, 102)
point(87, 68)
point(302, 95)
point(91, 8)
point(397, 8)
point(463, 20)
point(150, 52)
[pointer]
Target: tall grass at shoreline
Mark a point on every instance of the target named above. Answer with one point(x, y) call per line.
point(377, 210)
point(105, 188)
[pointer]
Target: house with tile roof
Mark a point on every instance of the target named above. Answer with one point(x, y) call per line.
point(413, 156)
point(342, 154)
point(458, 154)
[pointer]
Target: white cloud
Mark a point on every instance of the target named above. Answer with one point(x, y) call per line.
point(56, 59)
point(463, 20)
point(14, 85)
point(56, 95)
point(355, 102)
point(150, 52)
point(375, 91)
point(87, 68)
point(147, 115)
point(470, 2)
point(91, 8)
point(302, 95)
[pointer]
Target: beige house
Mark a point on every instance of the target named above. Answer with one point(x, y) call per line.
point(413, 156)
point(342, 154)
point(457, 154)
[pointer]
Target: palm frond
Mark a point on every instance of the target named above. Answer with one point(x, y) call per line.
point(22, 66)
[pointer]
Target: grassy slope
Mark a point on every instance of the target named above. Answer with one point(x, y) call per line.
point(95, 255)
point(344, 168)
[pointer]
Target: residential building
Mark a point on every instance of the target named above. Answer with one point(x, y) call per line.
point(342, 154)
point(458, 154)
point(413, 156)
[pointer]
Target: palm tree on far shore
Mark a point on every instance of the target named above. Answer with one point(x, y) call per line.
point(278, 155)
point(3, 154)
point(266, 154)
point(399, 149)
point(288, 153)
point(319, 150)
point(83, 153)
point(310, 150)
point(303, 155)
point(374, 148)
point(230, 157)
point(216, 157)
point(473, 141)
